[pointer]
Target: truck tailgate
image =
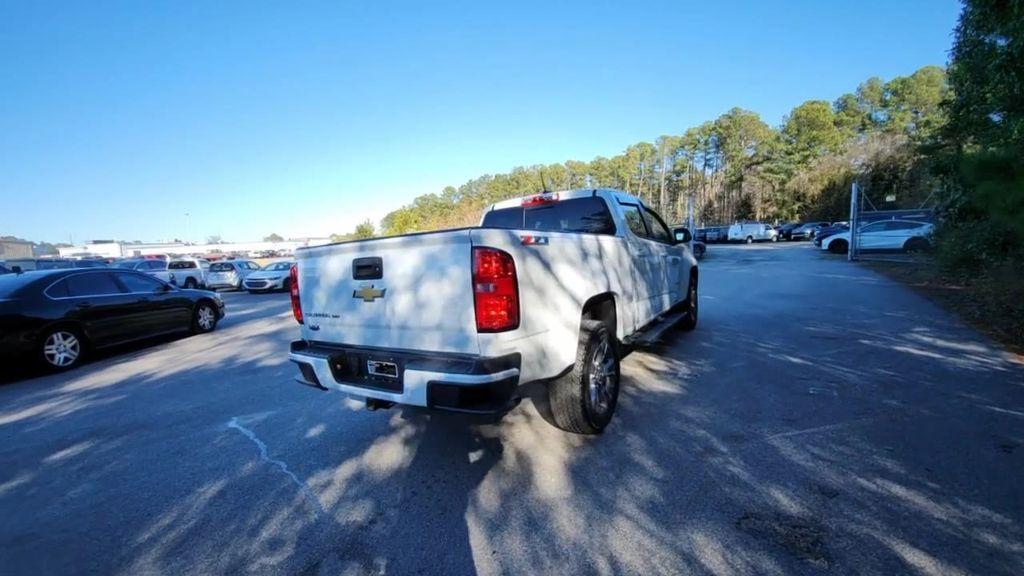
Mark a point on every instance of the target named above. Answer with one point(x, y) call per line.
point(421, 298)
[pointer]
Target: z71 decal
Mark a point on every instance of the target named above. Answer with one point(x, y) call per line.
point(534, 240)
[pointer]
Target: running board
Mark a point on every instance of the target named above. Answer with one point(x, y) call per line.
point(653, 332)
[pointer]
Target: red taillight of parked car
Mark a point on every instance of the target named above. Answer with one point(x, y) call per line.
point(293, 289)
point(495, 290)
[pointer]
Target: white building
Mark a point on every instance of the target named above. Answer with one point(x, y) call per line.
point(112, 249)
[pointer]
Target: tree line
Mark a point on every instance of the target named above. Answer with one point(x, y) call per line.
point(737, 166)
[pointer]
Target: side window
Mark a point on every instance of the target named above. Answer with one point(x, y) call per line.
point(92, 284)
point(634, 220)
point(901, 225)
point(58, 290)
point(659, 231)
point(873, 227)
point(139, 282)
point(253, 265)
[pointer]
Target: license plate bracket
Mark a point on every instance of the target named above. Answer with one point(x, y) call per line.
point(368, 370)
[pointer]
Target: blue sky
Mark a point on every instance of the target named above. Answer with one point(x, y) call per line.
point(117, 118)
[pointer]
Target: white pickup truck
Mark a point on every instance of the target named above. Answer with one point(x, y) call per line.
point(553, 287)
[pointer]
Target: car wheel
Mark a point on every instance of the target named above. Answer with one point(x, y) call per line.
point(915, 244)
point(61, 348)
point(204, 319)
point(190, 283)
point(775, 238)
point(690, 307)
point(839, 247)
point(583, 401)
point(750, 239)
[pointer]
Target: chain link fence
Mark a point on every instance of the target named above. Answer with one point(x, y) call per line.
point(881, 229)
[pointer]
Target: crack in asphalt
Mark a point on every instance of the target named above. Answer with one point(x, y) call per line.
point(318, 509)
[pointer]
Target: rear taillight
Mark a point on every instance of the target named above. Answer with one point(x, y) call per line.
point(293, 289)
point(495, 290)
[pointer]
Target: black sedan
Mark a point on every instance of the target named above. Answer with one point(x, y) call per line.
point(786, 230)
point(826, 231)
point(56, 316)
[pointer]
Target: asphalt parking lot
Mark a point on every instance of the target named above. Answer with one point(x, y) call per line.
point(820, 420)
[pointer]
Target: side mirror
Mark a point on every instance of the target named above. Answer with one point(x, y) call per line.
point(682, 235)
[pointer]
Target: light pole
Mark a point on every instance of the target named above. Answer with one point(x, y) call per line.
point(188, 226)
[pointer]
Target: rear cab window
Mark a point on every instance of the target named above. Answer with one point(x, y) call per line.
point(587, 215)
point(181, 265)
point(221, 267)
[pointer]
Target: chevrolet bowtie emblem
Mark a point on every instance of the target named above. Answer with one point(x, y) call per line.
point(369, 293)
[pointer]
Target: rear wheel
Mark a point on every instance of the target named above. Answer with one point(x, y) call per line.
point(583, 401)
point(190, 283)
point(915, 245)
point(61, 348)
point(204, 319)
point(750, 239)
point(839, 247)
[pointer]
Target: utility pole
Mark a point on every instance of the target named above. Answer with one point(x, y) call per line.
point(854, 199)
point(188, 226)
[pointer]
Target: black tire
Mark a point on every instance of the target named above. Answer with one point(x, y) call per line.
point(55, 346)
point(775, 238)
point(691, 307)
point(750, 239)
point(204, 318)
point(839, 247)
point(576, 405)
point(190, 283)
point(915, 244)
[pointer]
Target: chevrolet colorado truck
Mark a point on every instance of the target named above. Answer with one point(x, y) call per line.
point(554, 287)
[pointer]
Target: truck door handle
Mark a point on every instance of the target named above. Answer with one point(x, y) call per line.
point(83, 305)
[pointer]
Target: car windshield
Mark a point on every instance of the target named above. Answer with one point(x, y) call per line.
point(129, 264)
point(278, 266)
point(221, 267)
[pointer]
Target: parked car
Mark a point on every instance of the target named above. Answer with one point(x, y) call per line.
point(152, 266)
point(885, 235)
point(805, 231)
point(4, 269)
point(827, 231)
point(750, 232)
point(229, 273)
point(189, 272)
point(699, 248)
point(58, 316)
point(786, 230)
point(550, 288)
point(273, 276)
point(717, 234)
point(27, 264)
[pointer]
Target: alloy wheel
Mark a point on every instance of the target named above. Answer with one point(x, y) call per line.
point(62, 349)
point(205, 317)
point(601, 382)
